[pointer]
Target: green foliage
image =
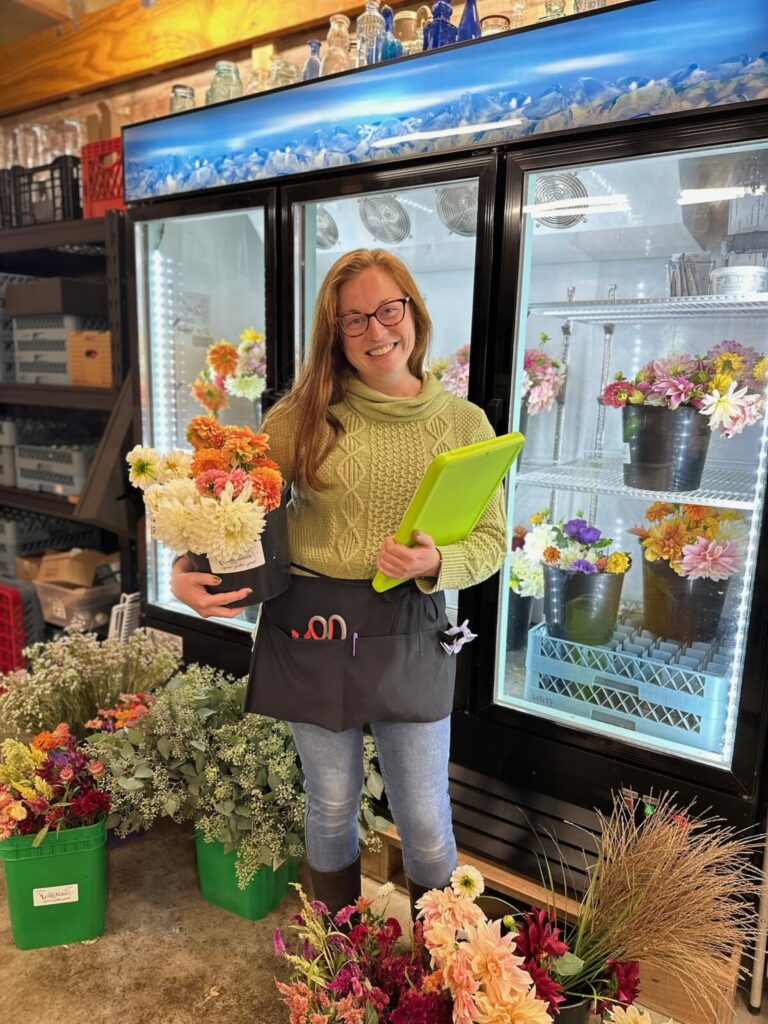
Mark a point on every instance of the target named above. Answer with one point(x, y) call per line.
point(69, 679)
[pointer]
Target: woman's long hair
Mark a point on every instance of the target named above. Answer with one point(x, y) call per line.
point(323, 378)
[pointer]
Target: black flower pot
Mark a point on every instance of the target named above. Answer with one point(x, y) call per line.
point(574, 1013)
point(582, 607)
point(664, 449)
point(518, 620)
point(679, 608)
point(267, 580)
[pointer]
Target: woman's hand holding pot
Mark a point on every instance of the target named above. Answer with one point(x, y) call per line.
point(189, 586)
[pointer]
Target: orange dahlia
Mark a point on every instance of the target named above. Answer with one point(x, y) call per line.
point(266, 483)
point(210, 397)
point(204, 432)
point(697, 513)
point(222, 358)
point(665, 541)
point(52, 740)
point(209, 458)
point(658, 510)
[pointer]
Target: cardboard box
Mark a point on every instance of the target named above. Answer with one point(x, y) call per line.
point(28, 566)
point(80, 607)
point(89, 359)
point(80, 567)
point(46, 295)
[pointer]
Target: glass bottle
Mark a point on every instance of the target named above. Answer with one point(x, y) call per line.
point(258, 81)
point(182, 98)
point(391, 46)
point(369, 29)
point(408, 32)
point(492, 24)
point(312, 65)
point(337, 56)
point(469, 25)
point(282, 72)
point(442, 32)
point(225, 84)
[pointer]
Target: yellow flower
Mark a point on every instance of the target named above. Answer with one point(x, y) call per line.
point(618, 562)
point(17, 811)
point(251, 336)
point(728, 362)
point(760, 371)
point(27, 792)
point(720, 383)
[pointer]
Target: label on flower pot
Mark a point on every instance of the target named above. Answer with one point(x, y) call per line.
point(250, 559)
point(54, 894)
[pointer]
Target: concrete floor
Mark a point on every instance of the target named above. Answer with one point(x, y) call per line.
point(166, 956)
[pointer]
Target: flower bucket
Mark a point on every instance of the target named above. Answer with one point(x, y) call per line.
point(518, 620)
point(268, 578)
point(218, 881)
point(55, 891)
point(582, 607)
point(664, 449)
point(679, 608)
point(574, 1013)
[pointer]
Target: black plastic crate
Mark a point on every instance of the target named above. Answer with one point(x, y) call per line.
point(47, 193)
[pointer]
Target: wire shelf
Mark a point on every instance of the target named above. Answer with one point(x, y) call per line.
point(635, 310)
point(603, 474)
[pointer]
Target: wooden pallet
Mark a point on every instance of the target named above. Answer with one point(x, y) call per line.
point(660, 989)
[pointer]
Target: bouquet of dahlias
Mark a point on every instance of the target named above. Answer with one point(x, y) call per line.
point(49, 783)
point(214, 499)
point(543, 378)
point(699, 542)
point(239, 371)
point(727, 385)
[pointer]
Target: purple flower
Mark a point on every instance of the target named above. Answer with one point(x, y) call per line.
point(278, 946)
point(343, 916)
point(582, 565)
point(318, 906)
point(588, 535)
point(573, 526)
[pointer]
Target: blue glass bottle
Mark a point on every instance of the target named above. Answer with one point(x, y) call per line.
point(442, 32)
point(469, 26)
point(311, 67)
point(391, 46)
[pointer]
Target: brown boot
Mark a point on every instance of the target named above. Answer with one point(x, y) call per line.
point(337, 889)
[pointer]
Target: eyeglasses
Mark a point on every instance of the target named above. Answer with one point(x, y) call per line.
point(389, 314)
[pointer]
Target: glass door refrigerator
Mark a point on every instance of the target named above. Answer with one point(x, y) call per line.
point(202, 273)
point(645, 258)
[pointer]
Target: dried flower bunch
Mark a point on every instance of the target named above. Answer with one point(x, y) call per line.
point(727, 385)
point(214, 499)
point(240, 371)
point(543, 378)
point(699, 542)
point(72, 677)
point(194, 755)
point(453, 372)
point(50, 783)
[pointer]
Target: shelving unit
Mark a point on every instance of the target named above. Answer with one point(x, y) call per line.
point(617, 311)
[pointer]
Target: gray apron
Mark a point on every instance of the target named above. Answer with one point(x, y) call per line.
point(389, 668)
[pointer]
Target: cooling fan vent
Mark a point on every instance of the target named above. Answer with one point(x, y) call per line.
point(457, 208)
point(327, 231)
point(559, 187)
point(385, 218)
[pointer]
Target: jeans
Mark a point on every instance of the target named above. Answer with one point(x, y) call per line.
point(413, 758)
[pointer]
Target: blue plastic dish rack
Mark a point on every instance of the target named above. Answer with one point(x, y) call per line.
point(650, 693)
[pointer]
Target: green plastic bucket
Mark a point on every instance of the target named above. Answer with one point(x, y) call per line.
point(55, 891)
point(218, 881)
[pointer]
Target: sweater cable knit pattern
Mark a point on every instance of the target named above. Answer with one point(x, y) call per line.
point(373, 472)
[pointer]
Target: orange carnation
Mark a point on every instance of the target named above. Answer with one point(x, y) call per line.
point(222, 358)
point(266, 483)
point(210, 397)
point(204, 432)
point(551, 555)
point(209, 458)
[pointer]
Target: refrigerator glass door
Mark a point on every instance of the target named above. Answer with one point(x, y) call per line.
point(200, 280)
point(652, 268)
point(432, 228)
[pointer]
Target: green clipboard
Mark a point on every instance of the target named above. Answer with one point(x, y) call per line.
point(454, 492)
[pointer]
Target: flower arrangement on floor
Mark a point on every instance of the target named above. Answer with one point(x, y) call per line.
point(129, 710)
point(727, 385)
point(214, 499)
point(699, 542)
point(72, 677)
point(543, 378)
point(50, 783)
point(194, 755)
point(239, 371)
point(354, 968)
point(453, 372)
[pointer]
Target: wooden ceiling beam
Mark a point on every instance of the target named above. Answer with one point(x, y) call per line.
point(56, 10)
point(125, 41)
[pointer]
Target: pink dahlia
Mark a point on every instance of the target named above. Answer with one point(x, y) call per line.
point(708, 560)
point(677, 390)
point(617, 394)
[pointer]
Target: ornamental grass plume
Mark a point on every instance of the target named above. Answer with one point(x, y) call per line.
point(71, 678)
point(674, 891)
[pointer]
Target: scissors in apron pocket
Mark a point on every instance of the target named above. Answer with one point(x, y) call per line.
point(320, 628)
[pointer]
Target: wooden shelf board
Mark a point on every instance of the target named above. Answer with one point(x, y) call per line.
point(37, 501)
point(58, 396)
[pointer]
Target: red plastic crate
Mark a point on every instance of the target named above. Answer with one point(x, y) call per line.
point(102, 174)
point(11, 629)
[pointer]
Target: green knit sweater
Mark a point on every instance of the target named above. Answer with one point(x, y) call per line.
point(373, 472)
